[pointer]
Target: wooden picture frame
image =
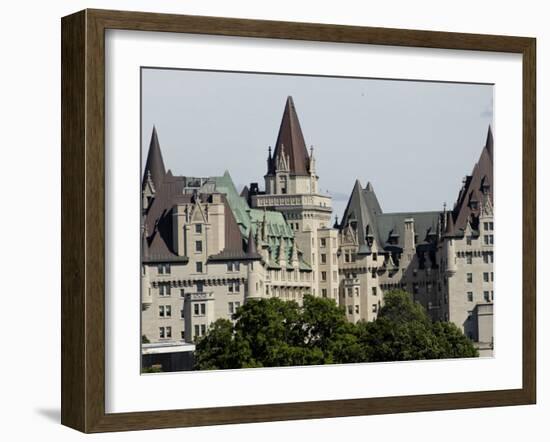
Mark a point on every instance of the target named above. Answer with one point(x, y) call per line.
point(83, 220)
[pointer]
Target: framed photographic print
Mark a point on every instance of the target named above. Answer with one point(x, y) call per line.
point(267, 221)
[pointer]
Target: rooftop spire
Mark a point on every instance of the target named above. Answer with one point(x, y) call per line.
point(251, 250)
point(154, 167)
point(290, 135)
point(449, 225)
point(489, 142)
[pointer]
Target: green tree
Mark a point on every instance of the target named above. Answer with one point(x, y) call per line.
point(275, 333)
point(453, 343)
point(220, 348)
point(325, 327)
point(403, 331)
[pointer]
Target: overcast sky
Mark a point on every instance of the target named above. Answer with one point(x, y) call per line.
point(414, 141)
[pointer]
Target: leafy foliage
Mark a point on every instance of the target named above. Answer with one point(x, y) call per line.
point(276, 333)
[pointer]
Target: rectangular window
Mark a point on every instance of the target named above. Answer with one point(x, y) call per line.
point(196, 309)
point(197, 332)
point(374, 308)
point(346, 257)
point(485, 277)
point(491, 276)
point(163, 269)
point(491, 226)
point(486, 296)
point(323, 242)
point(237, 305)
point(164, 290)
point(324, 292)
point(182, 313)
point(468, 259)
point(357, 309)
point(182, 335)
point(203, 329)
point(168, 310)
point(161, 311)
point(230, 308)
point(198, 267)
point(470, 296)
point(198, 246)
point(203, 309)
point(356, 290)
point(350, 309)
point(469, 277)
point(334, 275)
point(182, 293)
point(323, 276)
point(374, 291)
point(350, 292)
point(486, 226)
point(168, 332)
point(374, 256)
point(198, 228)
point(469, 240)
point(323, 258)
point(200, 287)
point(161, 332)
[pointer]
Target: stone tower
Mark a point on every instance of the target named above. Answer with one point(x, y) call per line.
point(291, 187)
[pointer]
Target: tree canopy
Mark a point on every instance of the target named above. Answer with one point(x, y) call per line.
point(274, 333)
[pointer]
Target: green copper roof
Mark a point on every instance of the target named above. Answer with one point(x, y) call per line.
point(277, 228)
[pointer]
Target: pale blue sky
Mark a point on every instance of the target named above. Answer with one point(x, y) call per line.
point(414, 141)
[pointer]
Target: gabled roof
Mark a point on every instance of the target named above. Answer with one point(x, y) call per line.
point(472, 188)
point(290, 136)
point(362, 211)
point(394, 224)
point(154, 166)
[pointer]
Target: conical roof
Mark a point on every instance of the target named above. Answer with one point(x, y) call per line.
point(155, 164)
point(290, 135)
point(449, 225)
point(251, 249)
point(480, 180)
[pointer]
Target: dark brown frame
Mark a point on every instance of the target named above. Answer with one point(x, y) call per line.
point(83, 216)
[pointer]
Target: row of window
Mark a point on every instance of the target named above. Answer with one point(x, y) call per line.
point(487, 277)
point(324, 292)
point(487, 258)
point(324, 258)
point(488, 296)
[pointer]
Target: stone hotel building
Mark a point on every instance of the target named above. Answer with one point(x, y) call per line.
point(207, 249)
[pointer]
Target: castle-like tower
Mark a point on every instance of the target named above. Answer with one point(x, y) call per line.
point(291, 188)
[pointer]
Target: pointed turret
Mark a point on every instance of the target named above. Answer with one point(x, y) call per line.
point(294, 257)
point(154, 166)
point(290, 135)
point(449, 225)
point(489, 142)
point(251, 250)
point(282, 253)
